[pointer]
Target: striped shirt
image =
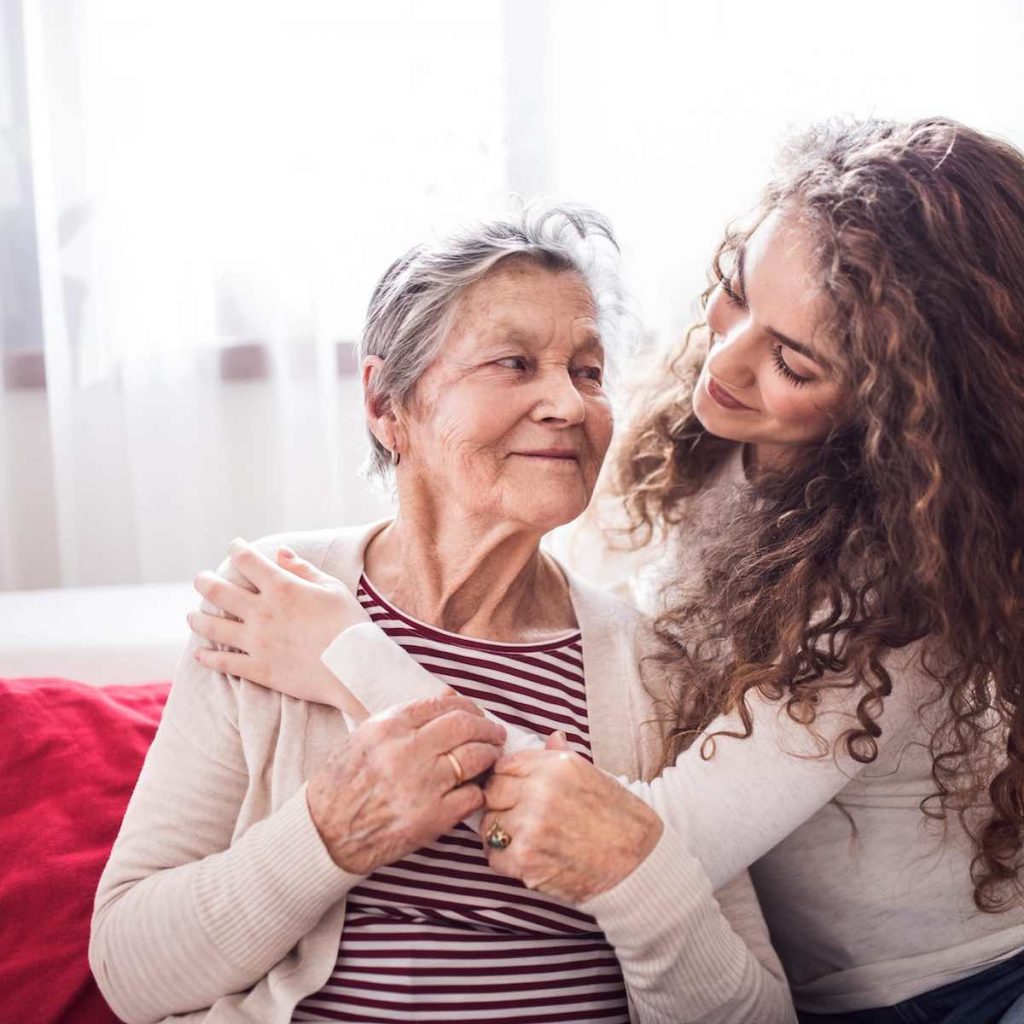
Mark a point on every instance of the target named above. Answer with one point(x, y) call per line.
point(439, 936)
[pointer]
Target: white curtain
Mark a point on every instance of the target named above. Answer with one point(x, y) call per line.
point(197, 196)
point(213, 188)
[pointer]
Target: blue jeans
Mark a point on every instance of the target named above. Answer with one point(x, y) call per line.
point(981, 998)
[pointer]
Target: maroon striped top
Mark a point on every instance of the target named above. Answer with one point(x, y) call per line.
point(438, 936)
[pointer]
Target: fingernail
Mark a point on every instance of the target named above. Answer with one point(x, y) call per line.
point(238, 542)
point(286, 552)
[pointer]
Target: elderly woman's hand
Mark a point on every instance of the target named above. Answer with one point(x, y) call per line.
point(574, 831)
point(399, 781)
point(280, 628)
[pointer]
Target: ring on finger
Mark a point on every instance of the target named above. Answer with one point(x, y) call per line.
point(497, 838)
point(460, 775)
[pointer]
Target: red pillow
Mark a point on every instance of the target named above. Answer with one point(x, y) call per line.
point(69, 757)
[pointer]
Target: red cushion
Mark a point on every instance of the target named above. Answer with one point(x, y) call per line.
point(69, 757)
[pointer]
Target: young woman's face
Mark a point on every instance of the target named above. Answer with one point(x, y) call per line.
point(769, 378)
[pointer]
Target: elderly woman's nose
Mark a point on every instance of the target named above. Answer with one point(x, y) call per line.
point(560, 398)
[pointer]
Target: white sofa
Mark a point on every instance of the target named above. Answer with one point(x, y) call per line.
point(97, 635)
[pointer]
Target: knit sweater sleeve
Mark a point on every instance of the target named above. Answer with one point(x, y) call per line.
point(184, 914)
point(733, 799)
point(689, 954)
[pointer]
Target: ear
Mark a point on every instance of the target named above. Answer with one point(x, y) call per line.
point(380, 414)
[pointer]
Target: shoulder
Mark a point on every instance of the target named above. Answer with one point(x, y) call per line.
point(337, 550)
point(597, 607)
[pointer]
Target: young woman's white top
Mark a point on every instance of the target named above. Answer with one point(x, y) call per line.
point(862, 916)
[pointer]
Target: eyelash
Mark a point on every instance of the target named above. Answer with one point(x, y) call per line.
point(597, 378)
point(731, 294)
point(785, 371)
point(780, 364)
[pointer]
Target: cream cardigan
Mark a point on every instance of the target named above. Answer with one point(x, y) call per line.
point(220, 901)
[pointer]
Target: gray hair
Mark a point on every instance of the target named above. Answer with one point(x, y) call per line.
point(409, 313)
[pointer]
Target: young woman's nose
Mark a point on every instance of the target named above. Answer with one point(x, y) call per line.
point(731, 359)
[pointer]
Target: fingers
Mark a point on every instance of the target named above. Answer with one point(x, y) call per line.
point(518, 765)
point(418, 713)
point(502, 792)
point(459, 726)
point(460, 803)
point(216, 628)
point(253, 565)
point(556, 741)
point(231, 664)
point(299, 566)
point(473, 759)
point(227, 596)
point(501, 859)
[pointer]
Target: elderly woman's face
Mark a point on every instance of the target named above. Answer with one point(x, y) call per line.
point(511, 420)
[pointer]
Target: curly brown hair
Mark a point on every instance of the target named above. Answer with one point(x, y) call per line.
point(906, 524)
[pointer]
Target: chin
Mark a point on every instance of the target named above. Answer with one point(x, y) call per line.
point(718, 421)
point(550, 517)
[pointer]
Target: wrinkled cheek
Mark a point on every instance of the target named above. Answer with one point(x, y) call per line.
point(471, 455)
point(599, 429)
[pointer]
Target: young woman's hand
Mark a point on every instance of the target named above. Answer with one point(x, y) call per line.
point(573, 830)
point(279, 627)
point(401, 779)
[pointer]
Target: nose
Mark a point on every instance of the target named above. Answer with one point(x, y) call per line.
point(559, 400)
point(731, 358)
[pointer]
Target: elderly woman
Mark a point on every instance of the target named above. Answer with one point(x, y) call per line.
point(280, 861)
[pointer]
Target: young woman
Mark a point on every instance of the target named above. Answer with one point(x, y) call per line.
point(829, 499)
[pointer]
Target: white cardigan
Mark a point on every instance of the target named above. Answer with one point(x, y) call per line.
point(221, 903)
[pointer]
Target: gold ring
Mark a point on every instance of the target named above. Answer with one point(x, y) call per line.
point(460, 775)
point(497, 838)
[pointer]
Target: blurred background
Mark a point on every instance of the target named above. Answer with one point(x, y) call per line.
point(196, 198)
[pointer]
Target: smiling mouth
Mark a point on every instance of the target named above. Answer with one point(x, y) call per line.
point(552, 456)
point(723, 398)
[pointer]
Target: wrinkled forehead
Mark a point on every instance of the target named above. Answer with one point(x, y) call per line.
point(534, 304)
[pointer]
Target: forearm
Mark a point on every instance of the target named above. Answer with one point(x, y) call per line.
point(380, 674)
point(186, 913)
point(681, 957)
point(182, 937)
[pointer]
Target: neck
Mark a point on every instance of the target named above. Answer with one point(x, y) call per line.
point(761, 458)
point(467, 575)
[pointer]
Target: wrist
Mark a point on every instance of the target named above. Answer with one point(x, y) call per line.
point(638, 843)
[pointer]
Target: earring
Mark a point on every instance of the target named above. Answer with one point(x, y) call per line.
point(396, 457)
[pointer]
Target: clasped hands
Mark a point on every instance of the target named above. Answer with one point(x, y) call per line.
point(393, 786)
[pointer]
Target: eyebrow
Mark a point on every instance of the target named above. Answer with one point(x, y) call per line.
point(796, 346)
point(592, 342)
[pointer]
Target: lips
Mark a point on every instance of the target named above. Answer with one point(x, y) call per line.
point(553, 453)
point(723, 398)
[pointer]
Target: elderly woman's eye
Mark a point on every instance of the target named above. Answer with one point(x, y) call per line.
point(512, 362)
point(594, 373)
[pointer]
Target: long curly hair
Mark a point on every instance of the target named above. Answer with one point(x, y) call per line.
point(906, 524)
